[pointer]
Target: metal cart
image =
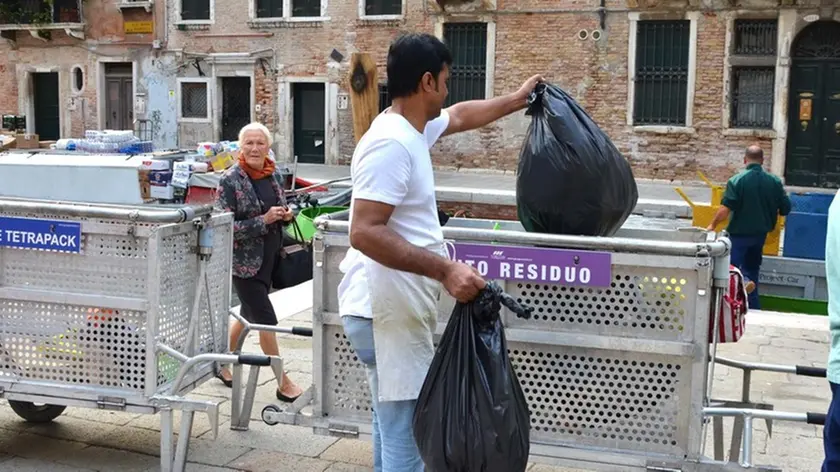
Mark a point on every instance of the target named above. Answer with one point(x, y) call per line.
point(616, 372)
point(114, 307)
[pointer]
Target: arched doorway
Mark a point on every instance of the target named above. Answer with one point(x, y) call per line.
point(813, 138)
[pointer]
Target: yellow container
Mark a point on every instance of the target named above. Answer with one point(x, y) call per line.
point(702, 216)
point(717, 190)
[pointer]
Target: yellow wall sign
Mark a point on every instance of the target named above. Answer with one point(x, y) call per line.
point(139, 27)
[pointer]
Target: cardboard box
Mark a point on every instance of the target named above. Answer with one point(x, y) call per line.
point(160, 178)
point(28, 141)
point(46, 144)
point(222, 161)
point(145, 185)
point(162, 192)
point(155, 164)
point(161, 184)
point(7, 142)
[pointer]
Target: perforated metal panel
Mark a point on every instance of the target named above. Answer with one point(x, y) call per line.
point(72, 344)
point(642, 302)
point(110, 258)
point(602, 398)
point(82, 319)
point(347, 392)
point(618, 369)
point(178, 270)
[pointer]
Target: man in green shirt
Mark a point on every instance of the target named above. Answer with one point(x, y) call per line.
point(752, 202)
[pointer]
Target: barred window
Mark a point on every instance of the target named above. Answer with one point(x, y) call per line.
point(269, 8)
point(752, 82)
point(755, 37)
point(468, 77)
point(661, 86)
point(306, 8)
point(384, 97)
point(383, 7)
point(752, 97)
point(195, 9)
point(194, 100)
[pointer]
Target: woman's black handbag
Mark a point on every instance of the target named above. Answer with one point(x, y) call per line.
point(294, 261)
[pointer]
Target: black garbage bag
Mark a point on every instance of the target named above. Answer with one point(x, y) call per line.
point(471, 415)
point(571, 178)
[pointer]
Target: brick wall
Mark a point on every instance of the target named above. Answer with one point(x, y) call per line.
point(594, 72)
point(104, 38)
point(8, 81)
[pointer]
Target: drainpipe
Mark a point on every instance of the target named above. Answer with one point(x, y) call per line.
point(602, 15)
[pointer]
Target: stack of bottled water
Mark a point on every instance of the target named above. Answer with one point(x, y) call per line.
point(112, 142)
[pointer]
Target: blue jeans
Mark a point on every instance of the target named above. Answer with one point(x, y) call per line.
point(394, 448)
point(746, 256)
point(831, 432)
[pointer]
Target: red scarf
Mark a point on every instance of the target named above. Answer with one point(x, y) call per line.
point(267, 170)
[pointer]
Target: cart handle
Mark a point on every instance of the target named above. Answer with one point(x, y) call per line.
point(114, 212)
point(803, 370)
point(248, 327)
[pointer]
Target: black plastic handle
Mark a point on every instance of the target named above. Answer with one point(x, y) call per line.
point(298, 331)
point(816, 418)
point(809, 371)
point(254, 359)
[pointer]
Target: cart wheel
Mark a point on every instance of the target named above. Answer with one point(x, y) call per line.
point(36, 413)
point(270, 409)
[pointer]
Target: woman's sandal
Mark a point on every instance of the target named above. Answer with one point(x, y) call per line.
point(284, 398)
point(228, 383)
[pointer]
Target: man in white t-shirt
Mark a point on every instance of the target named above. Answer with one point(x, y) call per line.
point(397, 264)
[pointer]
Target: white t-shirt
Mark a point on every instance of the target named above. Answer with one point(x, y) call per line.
point(392, 165)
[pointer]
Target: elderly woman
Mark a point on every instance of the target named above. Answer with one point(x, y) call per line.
point(251, 192)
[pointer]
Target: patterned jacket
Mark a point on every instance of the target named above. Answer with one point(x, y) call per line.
point(236, 194)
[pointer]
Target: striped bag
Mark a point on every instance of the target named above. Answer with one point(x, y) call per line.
point(733, 310)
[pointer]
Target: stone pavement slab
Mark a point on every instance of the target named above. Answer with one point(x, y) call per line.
point(91, 440)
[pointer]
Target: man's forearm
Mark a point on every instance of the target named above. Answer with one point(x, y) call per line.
point(721, 215)
point(475, 114)
point(386, 247)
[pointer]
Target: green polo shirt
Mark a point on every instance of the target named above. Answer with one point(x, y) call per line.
point(755, 199)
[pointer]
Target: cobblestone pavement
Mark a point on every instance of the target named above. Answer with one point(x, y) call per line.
point(86, 440)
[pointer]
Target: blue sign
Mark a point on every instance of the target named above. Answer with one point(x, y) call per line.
point(46, 235)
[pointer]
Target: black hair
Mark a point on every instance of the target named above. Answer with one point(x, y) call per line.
point(412, 55)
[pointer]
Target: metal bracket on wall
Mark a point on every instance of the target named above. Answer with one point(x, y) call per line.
point(75, 33)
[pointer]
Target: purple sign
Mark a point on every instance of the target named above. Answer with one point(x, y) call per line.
point(538, 265)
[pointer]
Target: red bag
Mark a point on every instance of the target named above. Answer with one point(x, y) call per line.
point(733, 310)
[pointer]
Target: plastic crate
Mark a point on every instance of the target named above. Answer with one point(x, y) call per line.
point(805, 235)
point(810, 202)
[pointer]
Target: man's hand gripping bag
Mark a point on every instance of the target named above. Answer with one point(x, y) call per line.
point(571, 178)
point(471, 415)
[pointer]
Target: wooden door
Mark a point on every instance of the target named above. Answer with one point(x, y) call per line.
point(309, 122)
point(45, 98)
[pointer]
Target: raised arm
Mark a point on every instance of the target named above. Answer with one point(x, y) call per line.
point(474, 114)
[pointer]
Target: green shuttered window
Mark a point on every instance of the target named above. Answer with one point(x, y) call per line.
point(661, 85)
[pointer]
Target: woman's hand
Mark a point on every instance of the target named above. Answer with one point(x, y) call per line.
point(289, 216)
point(278, 213)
